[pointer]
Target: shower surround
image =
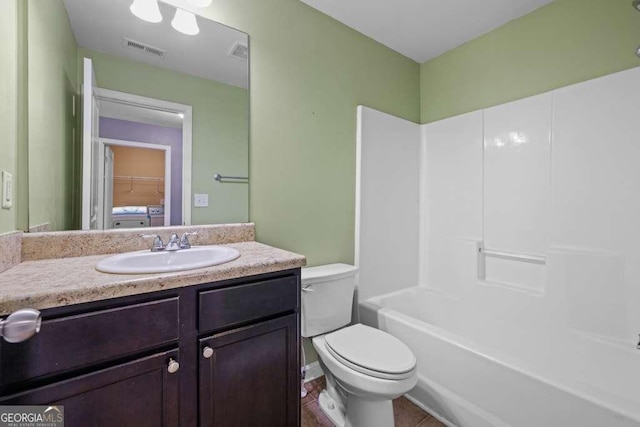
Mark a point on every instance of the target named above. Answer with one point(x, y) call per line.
point(521, 300)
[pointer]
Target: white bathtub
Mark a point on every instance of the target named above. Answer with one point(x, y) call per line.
point(546, 376)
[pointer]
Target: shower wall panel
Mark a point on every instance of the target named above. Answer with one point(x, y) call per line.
point(387, 180)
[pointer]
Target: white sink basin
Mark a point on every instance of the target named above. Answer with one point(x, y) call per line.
point(167, 261)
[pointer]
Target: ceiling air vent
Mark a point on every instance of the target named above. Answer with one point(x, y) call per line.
point(143, 47)
point(239, 50)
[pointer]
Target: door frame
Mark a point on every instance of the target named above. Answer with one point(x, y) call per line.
point(187, 132)
point(90, 119)
point(104, 142)
point(107, 217)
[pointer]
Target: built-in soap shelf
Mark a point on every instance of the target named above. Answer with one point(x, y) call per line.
point(511, 269)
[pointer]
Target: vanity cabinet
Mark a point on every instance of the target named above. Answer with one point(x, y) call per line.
point(217, 354)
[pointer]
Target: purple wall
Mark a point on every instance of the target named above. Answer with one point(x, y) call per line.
point(153, 134)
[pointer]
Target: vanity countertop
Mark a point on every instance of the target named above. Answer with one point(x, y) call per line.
point(64, 281)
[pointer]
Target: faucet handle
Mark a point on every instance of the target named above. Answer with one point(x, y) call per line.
point(158, 244)
point(184, 241)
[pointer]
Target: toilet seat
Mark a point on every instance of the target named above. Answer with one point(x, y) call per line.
point(371, 352)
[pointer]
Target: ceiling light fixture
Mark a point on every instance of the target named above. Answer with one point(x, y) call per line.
point(147, 10)
point(185, 22)
point(200, 3)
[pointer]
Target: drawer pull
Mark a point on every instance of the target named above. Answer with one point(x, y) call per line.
point(21, 325)
point(173, 366)
point(207, 352)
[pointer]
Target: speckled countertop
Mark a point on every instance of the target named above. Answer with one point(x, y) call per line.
point(64, 281)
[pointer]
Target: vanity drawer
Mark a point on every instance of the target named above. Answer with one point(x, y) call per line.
point(77, 341)
point(221, 308)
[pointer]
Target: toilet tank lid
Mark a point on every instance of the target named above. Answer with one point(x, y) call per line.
point(323, 273)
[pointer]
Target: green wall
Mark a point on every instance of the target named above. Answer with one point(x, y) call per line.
point(52, 78)
point(220, 128)
point(308, 74)
point(563, 43)
point(21, 180)
point(8, 100)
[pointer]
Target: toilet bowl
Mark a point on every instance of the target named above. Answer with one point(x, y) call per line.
point(365, 368)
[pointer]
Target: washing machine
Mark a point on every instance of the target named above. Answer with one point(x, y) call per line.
point(130, 217)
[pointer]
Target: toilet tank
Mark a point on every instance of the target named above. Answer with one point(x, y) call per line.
point(327, 297)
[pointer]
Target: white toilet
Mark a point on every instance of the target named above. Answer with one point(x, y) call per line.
point(365, 368)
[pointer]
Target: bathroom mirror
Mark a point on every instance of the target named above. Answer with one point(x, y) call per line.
point(130, 121)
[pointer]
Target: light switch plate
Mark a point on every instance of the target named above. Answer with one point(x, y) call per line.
point(201, 200)
point(7, 190)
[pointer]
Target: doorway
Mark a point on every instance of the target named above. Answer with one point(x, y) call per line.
point(133, 118)
point(137, 184)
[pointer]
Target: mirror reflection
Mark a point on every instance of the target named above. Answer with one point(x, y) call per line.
point(134, 107)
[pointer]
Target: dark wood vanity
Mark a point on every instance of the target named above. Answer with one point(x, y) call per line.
point(217, 354)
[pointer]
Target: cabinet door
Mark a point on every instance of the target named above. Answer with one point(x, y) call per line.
point(251, 376)
point(138, 393)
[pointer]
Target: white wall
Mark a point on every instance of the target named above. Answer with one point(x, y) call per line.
point(556, 176)
point(451, 219)
point(387, 177)
point(596, 203)
point(516, 189)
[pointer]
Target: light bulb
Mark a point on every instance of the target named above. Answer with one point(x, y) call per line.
point(200, 3)
point(185, 22)
point(147, 10)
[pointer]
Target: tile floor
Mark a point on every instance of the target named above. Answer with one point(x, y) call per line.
point(405, 413)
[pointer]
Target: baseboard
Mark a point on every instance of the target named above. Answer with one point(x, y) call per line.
point(313, 371)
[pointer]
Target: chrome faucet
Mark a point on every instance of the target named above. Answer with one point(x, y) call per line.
point(158, 244)
point(173, 244)
point(184, 241)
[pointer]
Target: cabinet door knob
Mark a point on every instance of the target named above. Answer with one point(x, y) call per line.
point(173, 366)
point(207, 352)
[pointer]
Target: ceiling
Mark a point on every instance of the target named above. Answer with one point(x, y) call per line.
point(424, 29)
point(102, 24)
